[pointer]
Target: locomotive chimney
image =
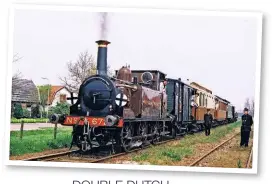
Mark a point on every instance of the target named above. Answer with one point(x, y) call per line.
point(102, 57)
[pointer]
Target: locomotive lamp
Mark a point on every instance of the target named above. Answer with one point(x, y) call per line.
point(111, 120)
point(57, 118)
point(102, 57)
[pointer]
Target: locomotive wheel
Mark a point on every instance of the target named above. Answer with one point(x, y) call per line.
point(143, 131)
point(186, 131)
point(126, 135)
point(155, 130)
point(174, 132)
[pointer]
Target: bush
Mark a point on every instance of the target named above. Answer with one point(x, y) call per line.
point(18, 111)
point(35, 111)
point(26, 113)
point(28, 120)
point(60, 108)
point(44, 114)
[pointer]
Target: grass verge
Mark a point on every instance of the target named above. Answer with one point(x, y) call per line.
point(168, 154)
point(39, 140)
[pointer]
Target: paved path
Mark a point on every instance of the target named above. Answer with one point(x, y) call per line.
point(31, 126)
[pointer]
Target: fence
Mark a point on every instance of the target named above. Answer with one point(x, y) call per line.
point(55, 130)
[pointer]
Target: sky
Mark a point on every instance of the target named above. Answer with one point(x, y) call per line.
point(218, 52)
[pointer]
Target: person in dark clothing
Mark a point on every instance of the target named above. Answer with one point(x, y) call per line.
point(208, 122)
point(247, 121)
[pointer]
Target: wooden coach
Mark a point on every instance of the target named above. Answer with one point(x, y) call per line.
point(221, 108)
point(205, 100)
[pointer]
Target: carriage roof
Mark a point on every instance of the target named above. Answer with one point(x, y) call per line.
point(222, 99)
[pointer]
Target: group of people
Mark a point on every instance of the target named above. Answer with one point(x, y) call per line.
point(247, 122)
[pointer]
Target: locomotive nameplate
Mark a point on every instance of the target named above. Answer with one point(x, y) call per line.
point(93, 121)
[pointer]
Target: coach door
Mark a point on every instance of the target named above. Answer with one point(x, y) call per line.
point(176, 98)
point(185, 109)
point(190, 94)
point(180, 99)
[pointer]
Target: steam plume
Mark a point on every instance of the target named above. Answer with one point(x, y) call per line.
point(103, 25)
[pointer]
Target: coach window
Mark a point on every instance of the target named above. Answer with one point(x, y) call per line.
point(200, 99)
point(203, 99)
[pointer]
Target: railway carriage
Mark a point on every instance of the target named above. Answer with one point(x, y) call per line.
point(205, 100)
point(136, 108)
point(221, 106)
point(231, 115)
point(179, 105)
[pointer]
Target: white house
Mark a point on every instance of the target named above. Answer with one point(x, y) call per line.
point(59, 94)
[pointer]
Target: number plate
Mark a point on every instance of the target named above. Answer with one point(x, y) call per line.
point(93, 121)
point(72, 120)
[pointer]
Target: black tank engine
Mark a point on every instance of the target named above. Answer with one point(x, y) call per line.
point(129, 110)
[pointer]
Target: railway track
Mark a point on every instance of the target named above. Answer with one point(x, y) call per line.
point(212, 150)
point(249, 159)
point(50, 157)
point(70, 156)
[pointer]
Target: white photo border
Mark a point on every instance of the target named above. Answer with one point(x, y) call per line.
point(9, 162)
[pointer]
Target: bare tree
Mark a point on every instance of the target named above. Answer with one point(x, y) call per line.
point(247, 104)
point(18, 74)
point(16, 58)
point(78, 71)
point(252, 107)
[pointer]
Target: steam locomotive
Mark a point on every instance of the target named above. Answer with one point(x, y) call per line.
point(138, 107)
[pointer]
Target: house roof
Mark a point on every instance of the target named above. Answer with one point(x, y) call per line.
point(24, 91)
point(53, 92)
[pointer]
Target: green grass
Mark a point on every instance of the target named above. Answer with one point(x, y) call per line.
point(39, 140)
point(29, 120)
point(164, 154)
point(239, 164)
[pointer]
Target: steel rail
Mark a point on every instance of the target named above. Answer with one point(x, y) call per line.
point(132, 151)
point(212, 150)
point(50, 156)
point(249, 158)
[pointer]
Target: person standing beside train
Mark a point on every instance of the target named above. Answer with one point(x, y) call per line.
point(163, 85)
point(208, 122)
point(247, 122)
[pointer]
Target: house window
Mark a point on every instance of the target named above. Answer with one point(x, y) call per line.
point(62, 98)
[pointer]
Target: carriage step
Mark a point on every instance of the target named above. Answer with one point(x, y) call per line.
point(165, 133)
point(181, 134)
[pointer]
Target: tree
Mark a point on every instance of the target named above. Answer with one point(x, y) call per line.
point(18, 74)
point(43, 91)
point(252, 107)
point(18, 111)
point(247, 104)
point(78, 71)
